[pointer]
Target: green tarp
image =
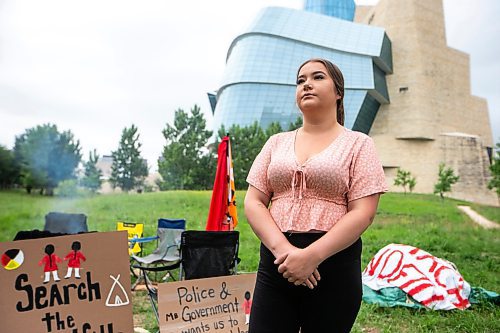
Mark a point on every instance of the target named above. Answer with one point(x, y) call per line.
point(393, 296)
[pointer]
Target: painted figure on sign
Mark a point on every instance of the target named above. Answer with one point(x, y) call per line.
point(50, 261)
point(247, 306)
point(74, 258)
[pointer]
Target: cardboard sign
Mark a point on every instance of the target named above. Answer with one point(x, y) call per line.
point(74, 284)
point(218, 305)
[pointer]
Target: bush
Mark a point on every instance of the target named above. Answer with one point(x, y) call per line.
point(69, 189)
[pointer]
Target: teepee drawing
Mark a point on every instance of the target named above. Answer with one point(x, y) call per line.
point(119, 293)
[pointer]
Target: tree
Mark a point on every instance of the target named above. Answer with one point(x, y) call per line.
point(9, 170)
point(296, 124)
point(129, 169)
point(446, 178)
point(92, 175)
point(273, 128)
point(246, 143)
point(404, 178)
point(67, 188)
point(186, 163)
point(46, 157)
point(412, 183)
point(494, 183)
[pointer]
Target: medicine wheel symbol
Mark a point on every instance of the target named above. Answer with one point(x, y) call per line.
point(118, 292)
point(12, 259)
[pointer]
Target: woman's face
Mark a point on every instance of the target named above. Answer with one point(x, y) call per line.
point(315, 88)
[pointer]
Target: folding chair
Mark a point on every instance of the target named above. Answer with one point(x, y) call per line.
point(207, 254)
point(134, 231)
point(164, 258)
point(166, 254)
point(65, 223)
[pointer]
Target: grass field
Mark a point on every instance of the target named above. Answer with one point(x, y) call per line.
point(419, 220)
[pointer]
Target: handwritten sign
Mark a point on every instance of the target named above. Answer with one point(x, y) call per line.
point(218, 305)
point(75, 284)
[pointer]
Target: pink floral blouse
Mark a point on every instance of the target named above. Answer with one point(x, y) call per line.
point(314, 196)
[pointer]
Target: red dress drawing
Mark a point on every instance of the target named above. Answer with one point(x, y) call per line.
point(247, 307)
point(74, 259)
point(50, 262)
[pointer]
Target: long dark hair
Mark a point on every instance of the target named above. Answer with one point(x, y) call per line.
point(49, 250)
point(76, 246)
point(338, 80)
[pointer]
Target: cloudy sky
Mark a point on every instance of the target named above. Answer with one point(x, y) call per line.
point(95, 67)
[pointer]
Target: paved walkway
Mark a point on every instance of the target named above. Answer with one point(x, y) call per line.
point(140, 330)
point(479, 219)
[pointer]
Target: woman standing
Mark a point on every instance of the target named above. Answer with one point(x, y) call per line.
point(312, 193)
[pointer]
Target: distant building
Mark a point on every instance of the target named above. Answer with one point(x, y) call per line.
point(404, 86)
point(104, 164)
point(432, 117)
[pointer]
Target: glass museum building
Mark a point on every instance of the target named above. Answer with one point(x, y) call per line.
point(259, 80)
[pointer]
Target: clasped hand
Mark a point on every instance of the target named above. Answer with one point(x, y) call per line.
point(298, 268)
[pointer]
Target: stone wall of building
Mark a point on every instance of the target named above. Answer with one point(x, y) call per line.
point(430, 95)
point(465, 154)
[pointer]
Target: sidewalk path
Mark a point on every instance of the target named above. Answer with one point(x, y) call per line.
point(479, 219)
point(140, 330)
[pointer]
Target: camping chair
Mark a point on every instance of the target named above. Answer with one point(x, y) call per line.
point(135, 239)
point(165, 255)
point(207, 254)
point(65, 223)
point(164, 258)
point(134, 231)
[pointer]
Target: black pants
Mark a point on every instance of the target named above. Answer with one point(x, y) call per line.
point(278, 306)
